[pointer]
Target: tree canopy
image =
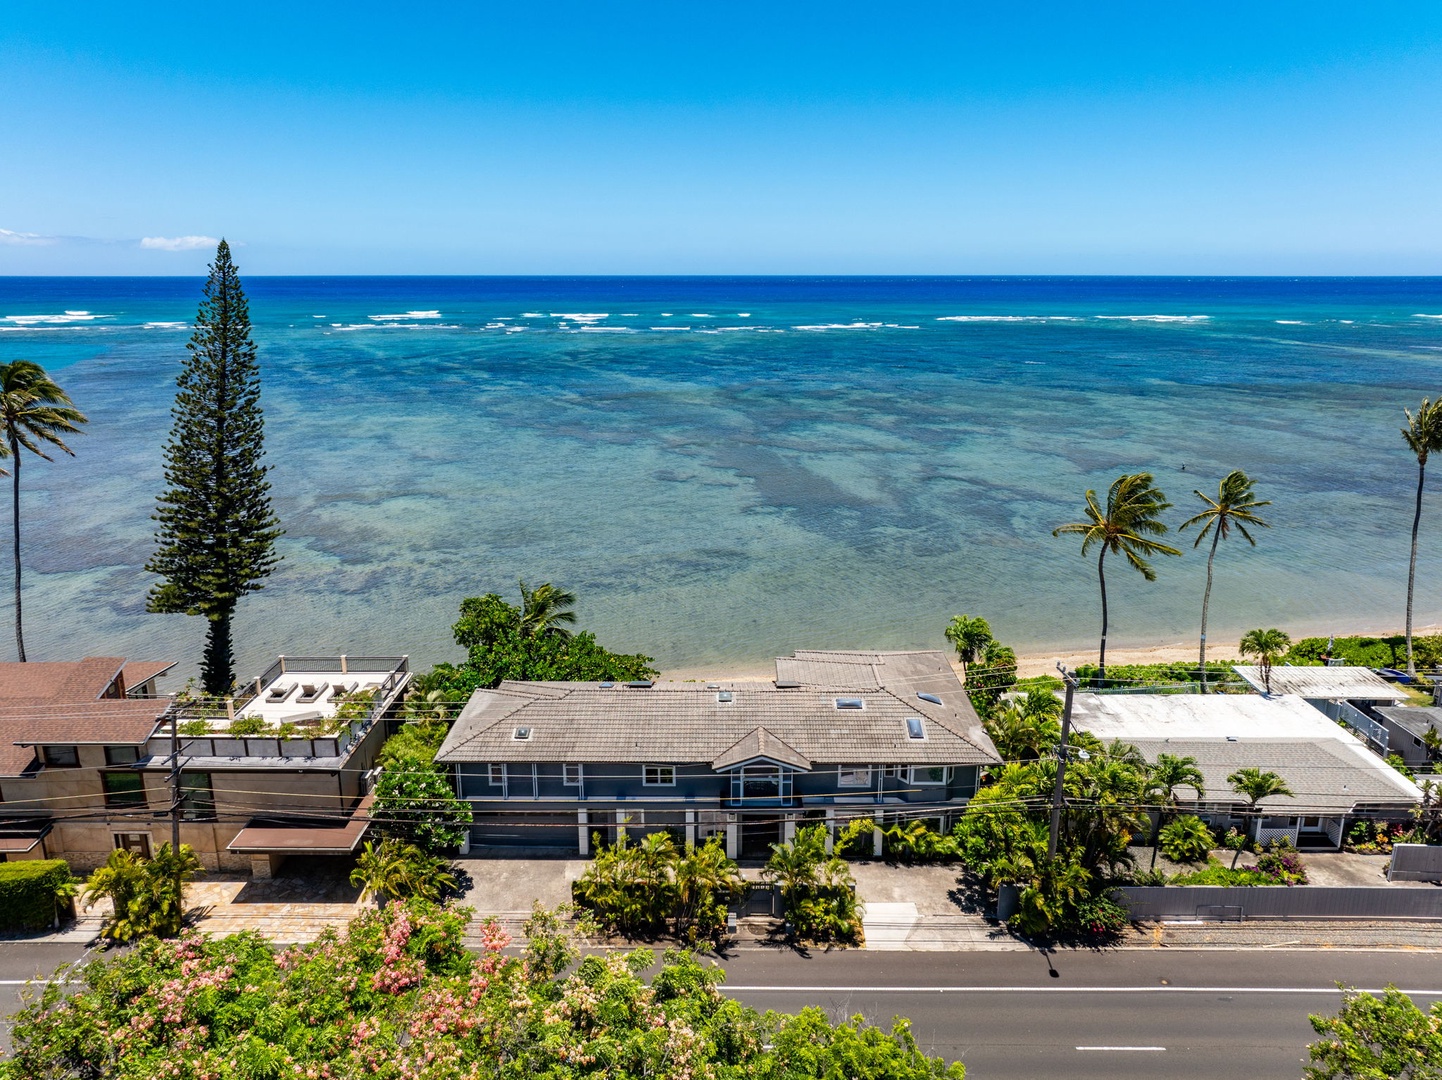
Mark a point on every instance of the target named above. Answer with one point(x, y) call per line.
point(216, 533)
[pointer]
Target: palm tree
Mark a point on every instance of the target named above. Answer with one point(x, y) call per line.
point(1234, 507)
point(1267, 646)
point(1025, 729)
point(1169, 773)
point(1125, 527)
point(34, 411)
point(544, 608)
point(970, 637)
point(1255, 785)
point(1423, 434)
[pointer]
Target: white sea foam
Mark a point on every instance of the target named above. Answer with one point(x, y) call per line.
point(1419, 315)
point(670, 328)
point(743, 314)
point(317, 316)
point(900, 326)
point(167, 325)
point(407, 315)
point(841, 326)
point(630, 314)
point(1347, 321)
point(581, 316)
point(665, 314)
point(1290, 322)
point(54, 320)
point(606, 330)
point(532, 315)
point(701, 315)
point(1157, 318)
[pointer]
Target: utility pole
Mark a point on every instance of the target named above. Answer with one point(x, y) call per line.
point(1061, 756)
point(174, 779)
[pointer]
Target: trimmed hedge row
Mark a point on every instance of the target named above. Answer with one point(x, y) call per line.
point(27, 892)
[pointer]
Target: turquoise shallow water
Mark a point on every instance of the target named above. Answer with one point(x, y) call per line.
point(727, 469)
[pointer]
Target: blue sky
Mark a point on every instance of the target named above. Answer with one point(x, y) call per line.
point(722, 138)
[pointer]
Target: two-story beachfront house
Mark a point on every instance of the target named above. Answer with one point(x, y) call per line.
point(890, 736)
point(281, 768)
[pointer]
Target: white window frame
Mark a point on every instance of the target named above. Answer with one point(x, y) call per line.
point(896, 772)
point(647, 770)
point(918, 776)
point(853, 776)
point(580, 772)
point(496, 775)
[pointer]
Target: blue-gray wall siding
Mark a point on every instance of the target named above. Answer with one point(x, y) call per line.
point(694, 783)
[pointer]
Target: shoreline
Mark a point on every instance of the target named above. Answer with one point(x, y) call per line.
point(1044, 662)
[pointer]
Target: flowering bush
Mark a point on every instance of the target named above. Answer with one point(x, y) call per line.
point(398, 997)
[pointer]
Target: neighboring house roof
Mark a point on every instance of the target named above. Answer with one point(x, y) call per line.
point(52, 702)
point(1141, 716)
point(1416, 719)
point(329, 838)
point(138, 672)
point(1327, 768)
point(1327, 776)
point(1324, 683)
point(686, 723)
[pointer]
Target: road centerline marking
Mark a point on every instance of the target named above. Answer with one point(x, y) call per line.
point(1121, 1047)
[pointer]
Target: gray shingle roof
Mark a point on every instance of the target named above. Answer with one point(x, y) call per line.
point(686, 723)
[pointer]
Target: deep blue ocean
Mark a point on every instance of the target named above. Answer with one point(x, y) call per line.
point(725, 469)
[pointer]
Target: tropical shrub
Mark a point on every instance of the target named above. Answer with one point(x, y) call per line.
point(1219, 674)
point(1373, 652)
point(915, 842)
point(653, 888)
point(1395, 760)
point(1283, 864)
point(397, 995)
point(1101, 918)
point(355, 706)
point(1187, 839)
point(396, 870)
point(415, 803)
point(856, 839)
point(34, 893)
point(817, 890)
point(415, 743)
point(148, 895)
point(1370, 1036)
point(247, 725)
point(1027, 728)
point(1272, 868)
point(194, 729)
point(1376, 837)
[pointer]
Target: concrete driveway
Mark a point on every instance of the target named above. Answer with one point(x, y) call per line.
point(505, 888)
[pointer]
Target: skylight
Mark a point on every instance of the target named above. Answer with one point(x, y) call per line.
point(607, 685)
point(850, 703)
point(521, 734)
point(914, 728)
point(930, 697)
point(640, 684)
point(724, 696)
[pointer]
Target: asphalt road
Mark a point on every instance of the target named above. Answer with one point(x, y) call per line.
point(1176, 1015)
point(1209, 1015)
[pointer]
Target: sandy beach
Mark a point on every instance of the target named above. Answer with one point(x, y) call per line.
point(1045, 663)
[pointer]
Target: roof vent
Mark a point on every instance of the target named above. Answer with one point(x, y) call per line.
point(850, 704)
point(640, 684)
point(521, 734)
point(713, 686)
point(930, 697)
point(724, 696)
point(1231, 738)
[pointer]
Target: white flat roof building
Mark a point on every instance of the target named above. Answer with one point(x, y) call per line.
point(1323, 683)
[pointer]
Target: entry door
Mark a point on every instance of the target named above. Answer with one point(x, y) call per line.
point(137, 843)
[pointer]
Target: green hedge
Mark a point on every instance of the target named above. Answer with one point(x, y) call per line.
point(27, 892)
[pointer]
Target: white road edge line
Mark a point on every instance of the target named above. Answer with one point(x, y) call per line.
point(1329, 990)
point(1121, 1047)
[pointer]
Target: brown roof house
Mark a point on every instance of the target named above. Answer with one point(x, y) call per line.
point(280, 768)
point(71, 736)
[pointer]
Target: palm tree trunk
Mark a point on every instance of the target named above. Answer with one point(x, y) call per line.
point(15, 475)
point(1102, 656)
point(1156, 838)
point(1411, 566)
point(1206, 601)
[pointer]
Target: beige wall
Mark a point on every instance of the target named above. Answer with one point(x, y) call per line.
point(239, 795)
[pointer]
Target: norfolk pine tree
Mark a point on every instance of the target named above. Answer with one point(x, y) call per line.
point(216, 537)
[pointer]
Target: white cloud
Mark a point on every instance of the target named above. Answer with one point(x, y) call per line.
point(8, 236)
point(177, 243)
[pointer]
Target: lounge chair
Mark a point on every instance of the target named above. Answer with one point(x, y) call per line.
point(278, 694)
point(310, 693)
